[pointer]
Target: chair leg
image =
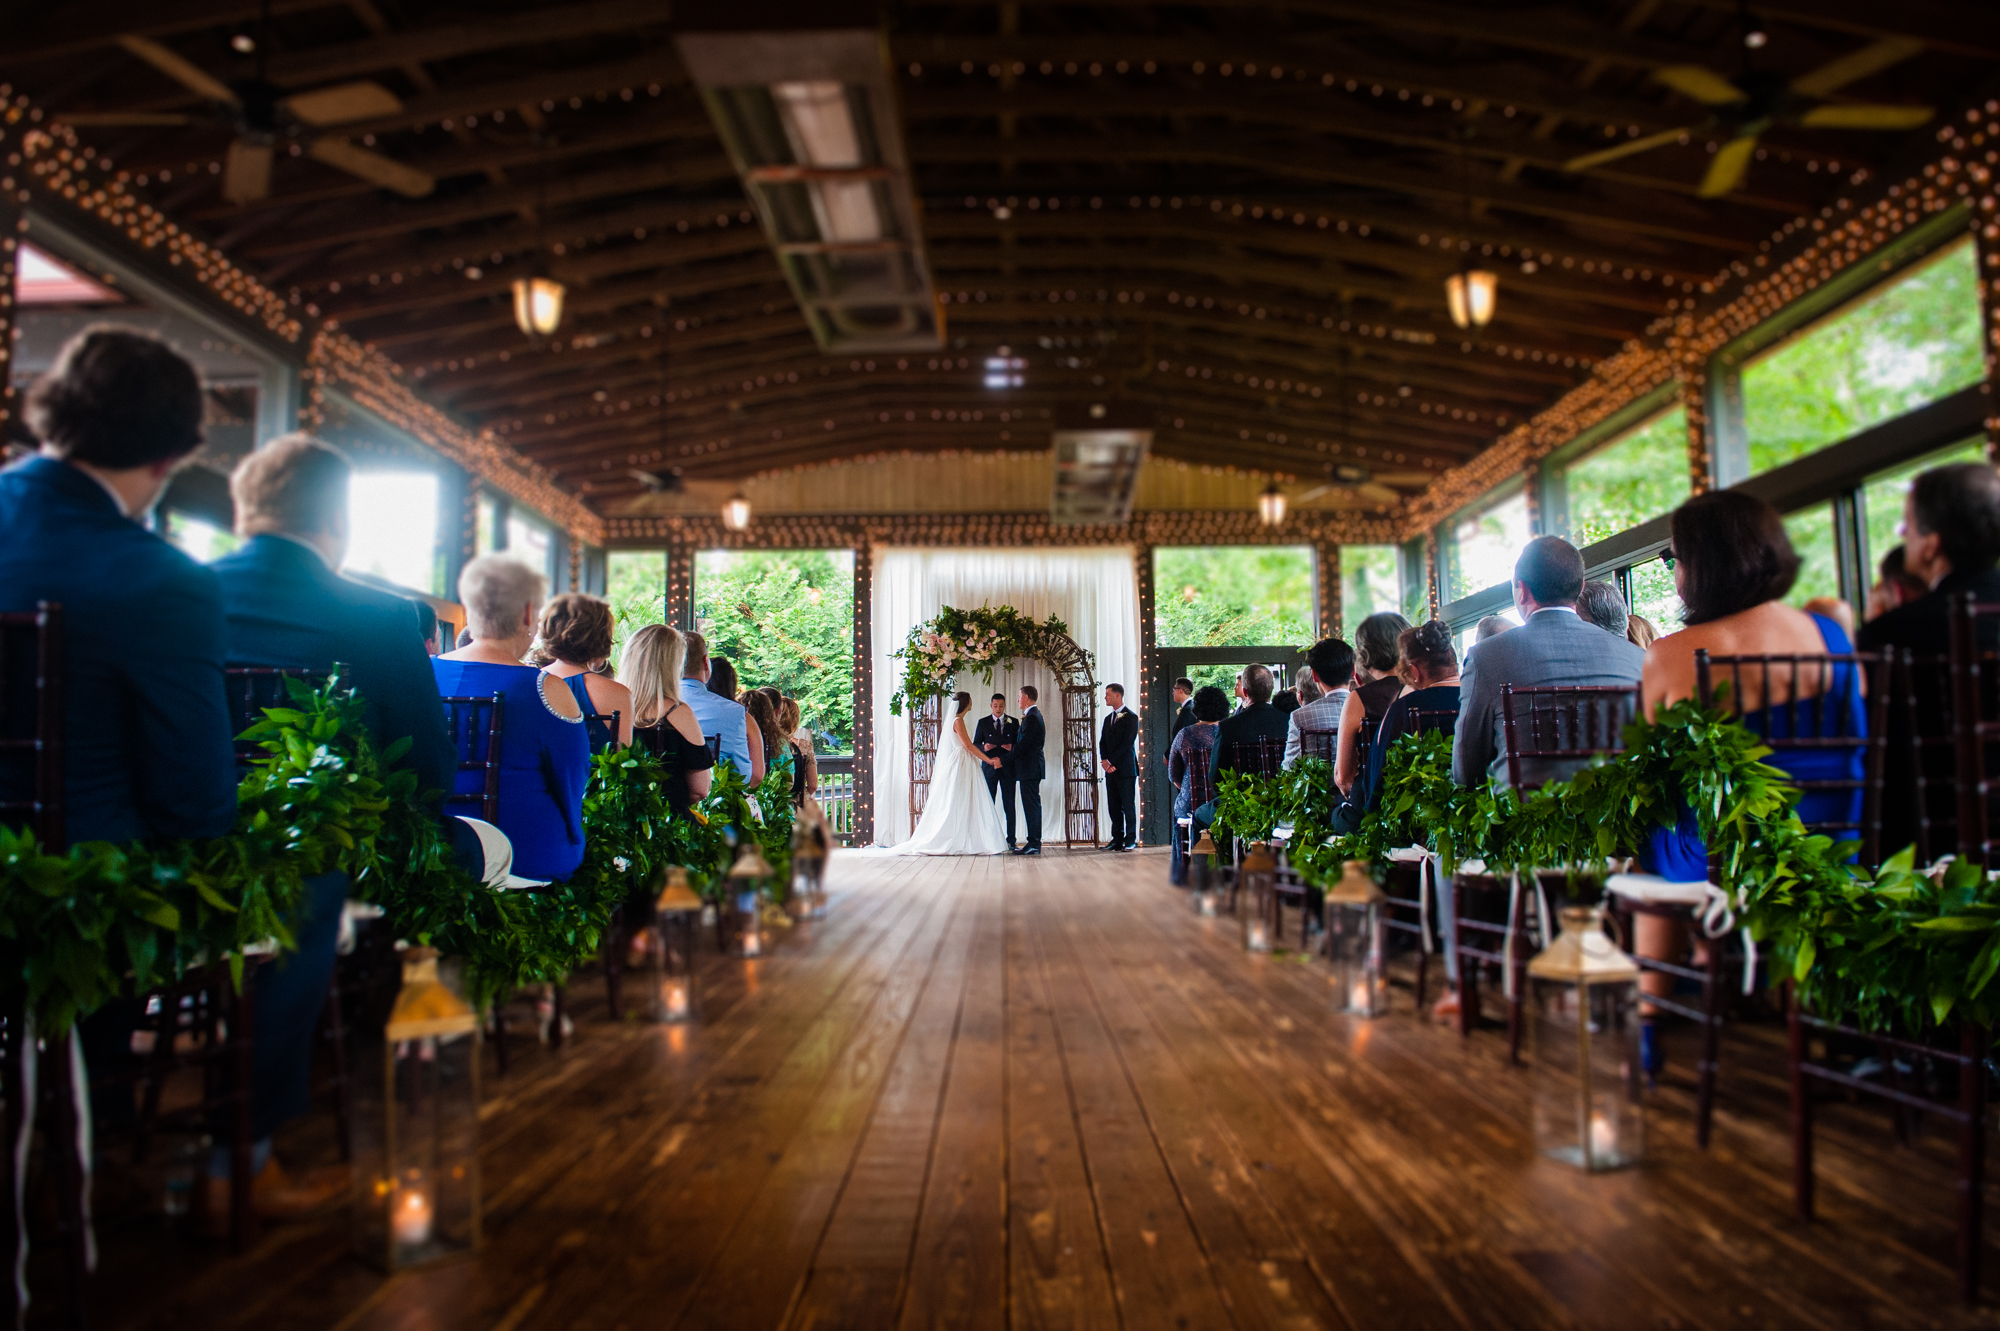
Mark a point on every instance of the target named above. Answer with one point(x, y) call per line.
point(1711, 1041)
point(617, 939)
point(1517, 978)
point(343, 1084)
point(13, 1080)
point(1423, 976)
point(556, 1016)
point(499, 1037)
point(1802, 1145)
point(1971, 1157)
point(242, 1215)
point(71, 1182)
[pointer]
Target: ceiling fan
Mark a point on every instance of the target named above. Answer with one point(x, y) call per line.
point(1348, 476)
point(262, 115)
point(1744, 107)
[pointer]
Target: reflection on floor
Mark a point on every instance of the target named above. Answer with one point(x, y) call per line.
point(1004, 1092)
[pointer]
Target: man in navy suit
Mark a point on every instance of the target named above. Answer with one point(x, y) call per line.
point(995, 738)
point(1029, 768)
point(1117, 754)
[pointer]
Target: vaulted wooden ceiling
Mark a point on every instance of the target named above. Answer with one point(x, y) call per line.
point(1239, 216)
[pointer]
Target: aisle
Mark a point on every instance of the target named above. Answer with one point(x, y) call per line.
point(1040, 1093)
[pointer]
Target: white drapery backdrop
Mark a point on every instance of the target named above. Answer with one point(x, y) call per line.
point(1092, 590)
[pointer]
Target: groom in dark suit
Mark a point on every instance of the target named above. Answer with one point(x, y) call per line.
point(1029, 768)
point(1117, 754)
point(996, 737)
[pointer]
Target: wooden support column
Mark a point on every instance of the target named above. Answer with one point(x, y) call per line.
point(1434, 592)
point(680, 587)
point(1704, 444)
point(1986, 247)
point(10, 233)
point(1326, 566)
point(1155, 805)
point(864, 695)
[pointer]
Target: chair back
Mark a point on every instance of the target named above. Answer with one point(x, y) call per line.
point(474, 723)
point(1833, 750)
point(1263, 756)
point(1926, 730)
point(248, 691)
point(31, 723)
point(1552, 727)
point(1423, 720)
point(714, 747)
point(1317, 743)
point(1975, 722)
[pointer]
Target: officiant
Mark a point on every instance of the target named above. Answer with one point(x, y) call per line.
point(996, 737)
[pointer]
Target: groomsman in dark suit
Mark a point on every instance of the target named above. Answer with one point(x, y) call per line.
point(1117, 754)
point(1029, 768)
point(996, 737)
point(1183, 708)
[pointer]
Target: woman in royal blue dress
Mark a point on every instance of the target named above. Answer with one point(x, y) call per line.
point(544, 752)
point(1732, 563)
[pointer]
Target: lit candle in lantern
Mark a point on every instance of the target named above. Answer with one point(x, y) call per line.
point(674, 999)
point(1603, 1137)
point(1256, 937)
point(410, 1219)
point(753, 943)
point(1357, 997)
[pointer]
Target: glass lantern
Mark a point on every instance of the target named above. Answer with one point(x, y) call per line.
point(1201, 874)
point(676, 992)
point(749, 877)
point(1257, 877)
point(809, 851)
point(420, 1181)
point(1356, 941)
point(1584, 1041)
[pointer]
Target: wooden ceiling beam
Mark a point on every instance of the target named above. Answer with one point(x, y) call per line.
point(451, 291)
point(1670, 219)
point(77, 29)
point(1968, 30)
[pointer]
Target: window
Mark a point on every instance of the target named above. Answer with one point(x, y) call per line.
point(1654, 598)
point(1912, 342)
point(636, 586)
point(531, 542)
point(785, 618)
point(203, 542)
point(1233, 596)
point(487, 525)
point(393, 527)
point(1369, 583)
point(1485, 544)
point(1811, 531)
point(1635, 477)
point(1882, 498)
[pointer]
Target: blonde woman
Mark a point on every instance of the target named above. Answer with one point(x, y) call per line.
point(662, 722)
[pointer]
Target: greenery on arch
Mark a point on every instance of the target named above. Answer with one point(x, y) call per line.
point(956, 640)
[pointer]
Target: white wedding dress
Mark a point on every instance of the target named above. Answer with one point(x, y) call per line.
point(959, 818)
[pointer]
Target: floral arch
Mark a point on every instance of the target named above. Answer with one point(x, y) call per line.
point(985, 639)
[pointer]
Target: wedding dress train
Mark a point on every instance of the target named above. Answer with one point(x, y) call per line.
point(959, 817)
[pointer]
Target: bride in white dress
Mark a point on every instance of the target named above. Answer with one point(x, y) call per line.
point(960, 817)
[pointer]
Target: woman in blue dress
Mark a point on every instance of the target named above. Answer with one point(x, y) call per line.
point(1732, 563)
point(573, 643)
point(544, 752)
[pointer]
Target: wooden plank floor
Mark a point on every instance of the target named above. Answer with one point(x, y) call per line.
point(1041, 1093)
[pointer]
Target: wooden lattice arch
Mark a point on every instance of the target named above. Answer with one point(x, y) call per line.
point(1074, 670)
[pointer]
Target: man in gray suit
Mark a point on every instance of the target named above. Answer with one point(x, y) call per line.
point(1553, 646)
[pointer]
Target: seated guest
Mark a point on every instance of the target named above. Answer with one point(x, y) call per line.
point(1429, 670)
point(1833, 608)
point(1895, 586)
point(721, 717)
point(805, 768)
point(1188, 764)
point(1552, 646)
point(1257, 726)
point(544, 753)
point(427, 626)
point(146, 728)
point(1286, 701)
point(1492, 626)
point(1951, 543)
point(1640, 631)
point(1307, 687)
point(1328, 670)
point(770, 736)
point(573, 642)
point(287, 605)
point(1600, 604)
point(663, 722)
point(1375, 687)
point(1732, 562)
point(722, 680)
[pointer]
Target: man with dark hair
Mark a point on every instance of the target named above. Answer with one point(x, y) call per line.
point(1117, 754)
point(1252, 738)
point(1314, 729)
point(996, 737)
point(1951, 543)
point(427, 626)
point(719, 716)
point(1601, 605)
point(1183, 708)
point(1552, 646)
point(1029, 769)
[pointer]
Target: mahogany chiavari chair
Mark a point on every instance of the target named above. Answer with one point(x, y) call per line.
point(1407, 911)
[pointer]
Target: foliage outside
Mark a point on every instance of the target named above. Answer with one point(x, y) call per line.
point(1233, 596)
point(1485, 544)
point(785, 618)
point(1369, 582)
point(635, 583)
point(1636, 477)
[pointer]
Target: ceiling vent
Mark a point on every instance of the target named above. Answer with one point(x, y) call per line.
point(1099, 451)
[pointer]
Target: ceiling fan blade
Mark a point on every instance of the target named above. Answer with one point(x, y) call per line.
point(1867, 116)
point(1381, 494)
point(343, 103)
point(1855, 65)
point(1731, 164)
point(1701, 83)
point(246, 174)
point(1628, 148)
point(1313, 494)
point(125, 118)
point(372, 167)
point(182, 71)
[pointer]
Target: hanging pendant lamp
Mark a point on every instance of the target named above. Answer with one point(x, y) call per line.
point(1472, 293)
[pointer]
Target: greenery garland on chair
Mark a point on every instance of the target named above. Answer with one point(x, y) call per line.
point(1890, 950)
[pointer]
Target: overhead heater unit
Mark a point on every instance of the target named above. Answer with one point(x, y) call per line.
point(802, 100)
point(1099, 452)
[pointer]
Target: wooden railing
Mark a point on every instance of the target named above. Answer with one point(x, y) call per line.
point(836, 793)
